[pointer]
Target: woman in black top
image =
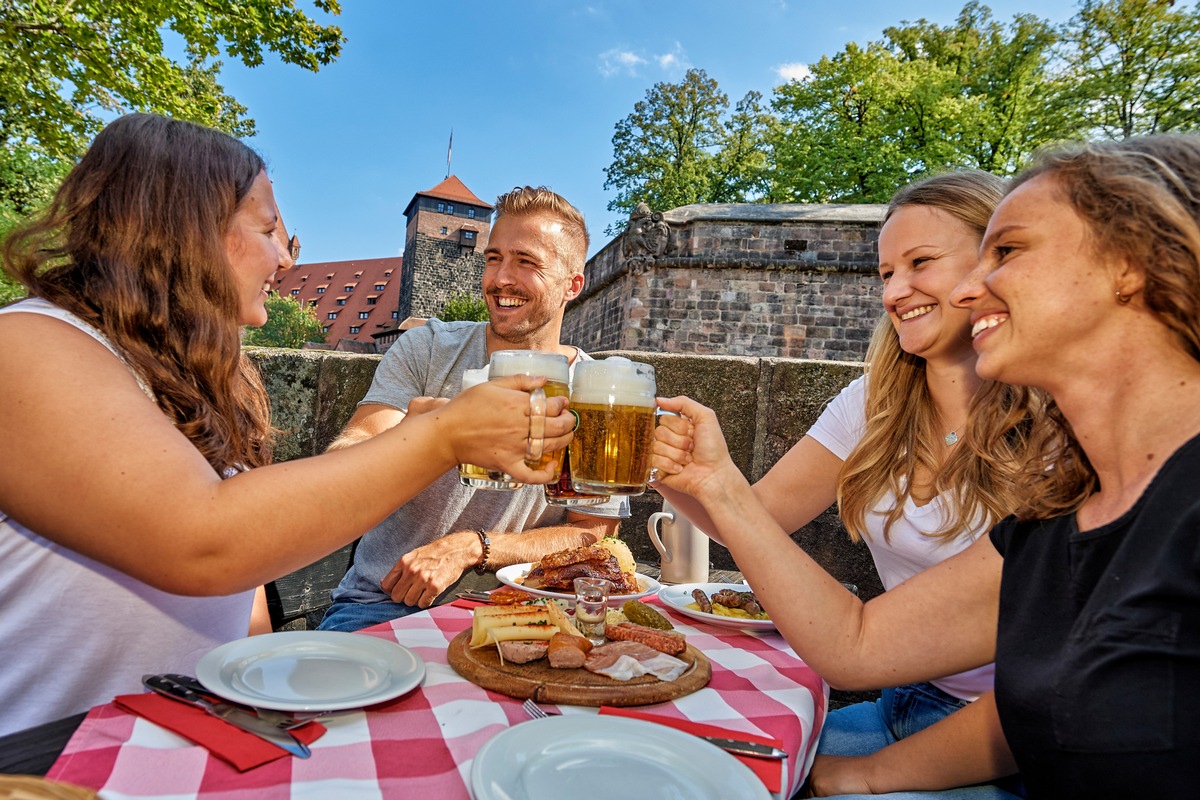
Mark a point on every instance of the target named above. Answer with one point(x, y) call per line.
point(1089, 598)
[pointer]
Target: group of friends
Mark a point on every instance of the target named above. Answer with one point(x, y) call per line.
point(1020, 457)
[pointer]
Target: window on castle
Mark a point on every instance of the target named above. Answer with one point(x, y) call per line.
point(441, 208)
point(372, 301)
point(468, 234)
point(395, 315)
point(320, 290)
point(379, 287)
point(325, 328)
point(295, 292)
point(341, 301)
point(471, 213)
point(349, 287)
point(332, 315)
point(364, 314)
point(449, 209)
point(312, 303)
point(444, 229)
point(355, 329)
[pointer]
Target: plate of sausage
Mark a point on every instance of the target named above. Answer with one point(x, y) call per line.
point(729, 605)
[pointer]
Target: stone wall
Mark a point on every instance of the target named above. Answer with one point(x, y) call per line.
point(785, 281)
point(436, 269)
point(764, 405)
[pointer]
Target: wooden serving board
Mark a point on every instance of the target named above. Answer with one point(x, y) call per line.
point(578, 687)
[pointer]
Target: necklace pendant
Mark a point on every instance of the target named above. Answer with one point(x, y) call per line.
point(951, 438)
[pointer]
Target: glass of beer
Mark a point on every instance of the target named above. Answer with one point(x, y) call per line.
point(481, 477)
point(563, 492)
point(614, 401)
point(554, 367)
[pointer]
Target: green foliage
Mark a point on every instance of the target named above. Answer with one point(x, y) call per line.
point(676, 149)
point(289, 324)
point(464, 307)
point(1132, 68)
point(69, 63)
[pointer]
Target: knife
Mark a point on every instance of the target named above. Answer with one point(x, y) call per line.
point(743, 748)
point(161, 684)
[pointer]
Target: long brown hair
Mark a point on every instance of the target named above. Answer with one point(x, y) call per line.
point(133, 243)
point(1139, 199)
point(902, 427)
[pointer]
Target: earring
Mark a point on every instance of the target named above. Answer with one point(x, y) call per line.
point(1122, 299)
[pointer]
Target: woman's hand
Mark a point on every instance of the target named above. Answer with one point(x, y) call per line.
point(689, 451)
point(834, 775)
point(492, 425)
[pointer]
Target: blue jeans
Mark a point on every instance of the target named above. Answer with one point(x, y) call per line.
point(863, 728)
point(352, 617)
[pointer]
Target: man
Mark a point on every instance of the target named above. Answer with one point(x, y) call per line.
point(442, 537)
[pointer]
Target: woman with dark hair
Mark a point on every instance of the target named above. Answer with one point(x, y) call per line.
point(893, 448)
point(138, 506)
point(1088, 597)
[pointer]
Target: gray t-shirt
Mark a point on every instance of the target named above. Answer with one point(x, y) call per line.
point(429, 362)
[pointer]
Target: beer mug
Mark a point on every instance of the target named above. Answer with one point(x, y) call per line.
point(481, 477)
point(554, 367)
point(563, 492)
point(683, 546)
point(614, 403)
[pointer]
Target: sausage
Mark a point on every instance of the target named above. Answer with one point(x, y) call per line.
point(668, 642)
point(702, 600)
point(567, 651)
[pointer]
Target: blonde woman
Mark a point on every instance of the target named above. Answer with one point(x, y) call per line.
point(894, 447)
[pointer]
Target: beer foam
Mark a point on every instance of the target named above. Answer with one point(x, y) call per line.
point(474, 377)
point(614, 381)
point(553, 366)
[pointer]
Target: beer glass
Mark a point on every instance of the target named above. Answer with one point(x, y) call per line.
point(554, 367)
point(481, 477)
point(563, 492)
point(614, 402)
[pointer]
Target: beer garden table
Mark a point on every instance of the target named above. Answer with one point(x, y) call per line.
point(423, 743)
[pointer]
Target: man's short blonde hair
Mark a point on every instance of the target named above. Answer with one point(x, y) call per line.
point(525, 201)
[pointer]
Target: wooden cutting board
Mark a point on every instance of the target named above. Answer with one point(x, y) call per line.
point(577, 687)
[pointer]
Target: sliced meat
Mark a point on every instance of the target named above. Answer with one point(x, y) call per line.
point(625, 660)
point(669, 642)
point(567, 651)
point(522, 651)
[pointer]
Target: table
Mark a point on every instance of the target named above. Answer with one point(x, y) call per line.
point(422, 744)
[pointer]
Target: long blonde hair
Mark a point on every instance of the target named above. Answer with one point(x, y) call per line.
point(902, 429)
point(133, 243)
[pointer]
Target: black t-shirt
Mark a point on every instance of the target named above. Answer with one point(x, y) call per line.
point(1098, 653)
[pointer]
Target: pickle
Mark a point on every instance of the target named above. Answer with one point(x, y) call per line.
point(640, 613)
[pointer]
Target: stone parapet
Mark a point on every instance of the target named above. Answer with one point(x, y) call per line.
point(764, 404)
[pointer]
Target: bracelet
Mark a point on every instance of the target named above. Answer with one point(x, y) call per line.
point(486, 544)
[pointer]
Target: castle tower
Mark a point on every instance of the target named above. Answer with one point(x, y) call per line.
point(446, 231)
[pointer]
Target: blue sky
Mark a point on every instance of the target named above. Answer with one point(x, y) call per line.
point(531, 89)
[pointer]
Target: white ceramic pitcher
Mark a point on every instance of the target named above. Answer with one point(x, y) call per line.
point(683, 547)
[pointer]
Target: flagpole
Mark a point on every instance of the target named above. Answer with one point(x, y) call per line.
point(449, 150)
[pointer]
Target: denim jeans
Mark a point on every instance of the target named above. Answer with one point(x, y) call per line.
point(863, 728)
point(352, 617)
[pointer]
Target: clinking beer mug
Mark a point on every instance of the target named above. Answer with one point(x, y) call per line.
point(554, 367)
point(481, 477)
point(614, 403)
point(683, 546)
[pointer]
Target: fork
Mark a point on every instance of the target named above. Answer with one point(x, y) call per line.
point(535, 711)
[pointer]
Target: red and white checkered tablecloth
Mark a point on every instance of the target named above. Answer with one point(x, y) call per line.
point(422, 744)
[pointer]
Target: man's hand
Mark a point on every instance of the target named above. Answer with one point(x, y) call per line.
point(422, 574)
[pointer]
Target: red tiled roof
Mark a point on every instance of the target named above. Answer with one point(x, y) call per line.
point(302, 282)
point(453, 189)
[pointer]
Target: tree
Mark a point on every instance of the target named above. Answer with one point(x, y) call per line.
point(1132, 67)
point(675, 149)
point(289, 324)
point(926, 98)
point(464, 307)
point(27, 182)
point(68, 62)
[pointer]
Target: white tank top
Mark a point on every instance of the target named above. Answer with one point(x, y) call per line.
point(75, 633)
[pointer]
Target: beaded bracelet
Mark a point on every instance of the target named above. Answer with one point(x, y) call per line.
point(486, 544)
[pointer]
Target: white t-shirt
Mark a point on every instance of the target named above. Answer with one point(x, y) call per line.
point(910, 548)
point(75, 633)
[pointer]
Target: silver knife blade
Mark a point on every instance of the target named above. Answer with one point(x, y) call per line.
point(166, 687)
point(746, 748)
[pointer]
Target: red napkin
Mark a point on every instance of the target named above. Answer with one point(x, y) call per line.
point(225, 741)
point(463, 603)
point(769, 771)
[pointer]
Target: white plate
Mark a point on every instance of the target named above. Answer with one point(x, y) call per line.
point(513, 575)
point(678, 597)
point(629, 758)
point(310, 670)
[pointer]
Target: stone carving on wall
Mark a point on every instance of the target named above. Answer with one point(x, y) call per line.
point(646, 237)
